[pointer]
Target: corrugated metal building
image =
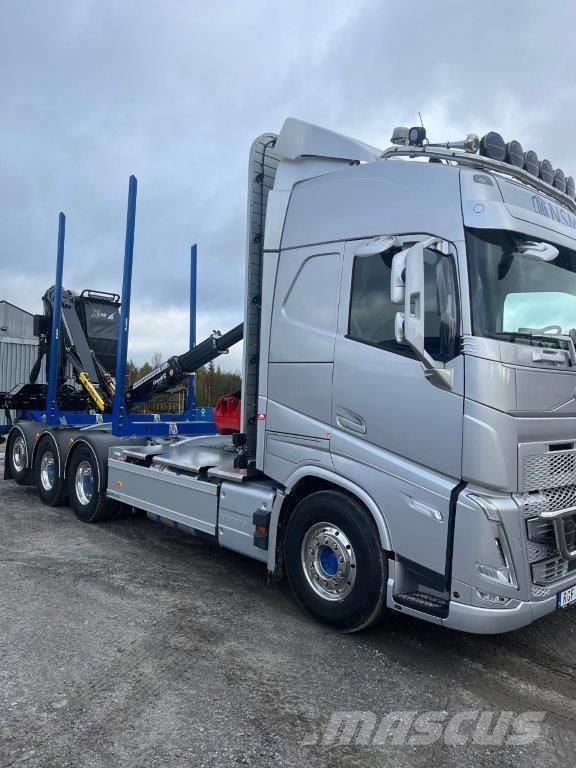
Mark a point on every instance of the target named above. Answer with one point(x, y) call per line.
point(18, 348)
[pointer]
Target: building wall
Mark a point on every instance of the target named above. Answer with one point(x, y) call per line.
point(18, 348)
point(15, 323)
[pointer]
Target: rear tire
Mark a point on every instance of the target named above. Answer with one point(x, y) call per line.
point(17, 459)
point(335, 562)
point(51, 486)
point(89, 503)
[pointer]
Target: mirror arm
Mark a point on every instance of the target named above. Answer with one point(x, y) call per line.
point(437, 374)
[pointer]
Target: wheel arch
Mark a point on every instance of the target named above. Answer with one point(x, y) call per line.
point(302, 483)
point(99, 443)
point(74, 447)
point(28, 430)
point(50, 434)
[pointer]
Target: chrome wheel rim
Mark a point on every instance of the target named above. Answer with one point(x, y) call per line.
point(19, 454)
point(328, 561)
point(48, 471)
point(84, 483)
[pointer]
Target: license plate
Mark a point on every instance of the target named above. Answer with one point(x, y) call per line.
point(567, 597)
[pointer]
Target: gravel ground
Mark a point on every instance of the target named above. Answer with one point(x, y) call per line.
point(130, 644)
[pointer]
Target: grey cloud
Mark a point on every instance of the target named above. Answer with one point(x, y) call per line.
point(176, 91)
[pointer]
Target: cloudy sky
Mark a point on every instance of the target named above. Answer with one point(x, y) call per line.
point(174, 91)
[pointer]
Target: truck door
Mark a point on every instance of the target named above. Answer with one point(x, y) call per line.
point(396, 433)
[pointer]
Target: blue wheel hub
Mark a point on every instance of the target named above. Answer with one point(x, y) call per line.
point(328, 561)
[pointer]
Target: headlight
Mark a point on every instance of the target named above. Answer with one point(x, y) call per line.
point(504, 572)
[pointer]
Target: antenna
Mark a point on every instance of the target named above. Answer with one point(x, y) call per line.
point(421, 121)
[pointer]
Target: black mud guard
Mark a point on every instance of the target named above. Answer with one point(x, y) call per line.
point(30, 431)
point(63, 438)
point(100, 443)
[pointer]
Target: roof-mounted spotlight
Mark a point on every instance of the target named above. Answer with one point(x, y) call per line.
point(546, 171)
point(531, 163)
point(492, 145)
point(417, 136)
point(559, 180)
point(515, 154)
point(570, 187)
point(400, 136)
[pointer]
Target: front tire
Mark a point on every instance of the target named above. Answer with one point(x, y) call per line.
point(89, 503)
point(49, 483)
point(334, 561)
point(17, 458)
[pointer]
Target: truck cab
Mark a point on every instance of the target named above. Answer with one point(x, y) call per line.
point(416, 351)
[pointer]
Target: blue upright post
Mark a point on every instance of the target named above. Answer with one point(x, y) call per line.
point(193, 287)
point(52, 415)
point(119, 424)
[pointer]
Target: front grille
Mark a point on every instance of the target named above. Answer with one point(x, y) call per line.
point(554, 569)
point(546, 564)
point(554, 469)
point(547, 481)
point(551, 500)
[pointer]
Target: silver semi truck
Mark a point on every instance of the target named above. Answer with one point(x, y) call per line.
point(408, 436)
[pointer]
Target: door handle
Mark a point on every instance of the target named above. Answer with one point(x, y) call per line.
point(351, 423)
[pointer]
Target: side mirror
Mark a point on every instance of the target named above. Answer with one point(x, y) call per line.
point(539, 251)
point(408, 279)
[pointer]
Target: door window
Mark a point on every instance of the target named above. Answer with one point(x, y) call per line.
point(372, 313)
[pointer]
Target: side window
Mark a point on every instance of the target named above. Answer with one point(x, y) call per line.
point(313, 296)
point(372, 313)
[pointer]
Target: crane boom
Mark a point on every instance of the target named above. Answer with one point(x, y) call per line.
point(172, 372)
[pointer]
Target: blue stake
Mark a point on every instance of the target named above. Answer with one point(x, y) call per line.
point(52, 415)
point(193, 296)
point(119, 424)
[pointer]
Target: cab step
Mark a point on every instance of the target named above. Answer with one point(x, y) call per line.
point(422, 601)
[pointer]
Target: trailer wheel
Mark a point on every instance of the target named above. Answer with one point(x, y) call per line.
point(335, 562)
point(17, 458)
point(47, 476)
point(89, 503)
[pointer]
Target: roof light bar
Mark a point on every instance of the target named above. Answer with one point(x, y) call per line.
point(492, 147)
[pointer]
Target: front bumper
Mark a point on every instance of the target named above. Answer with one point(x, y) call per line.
point(493, 621)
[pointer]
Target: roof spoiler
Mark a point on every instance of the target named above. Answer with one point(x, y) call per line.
point(300, 139)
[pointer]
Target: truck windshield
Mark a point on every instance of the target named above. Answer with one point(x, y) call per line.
point(514, 296)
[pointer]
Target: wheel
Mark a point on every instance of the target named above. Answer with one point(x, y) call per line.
point(51, 486)
point(89, 503)
point(17, 458)
point(334, 561)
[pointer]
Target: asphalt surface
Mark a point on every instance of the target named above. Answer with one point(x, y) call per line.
point(130, 644)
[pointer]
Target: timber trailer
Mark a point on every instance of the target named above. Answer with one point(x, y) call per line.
point(407, 438)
